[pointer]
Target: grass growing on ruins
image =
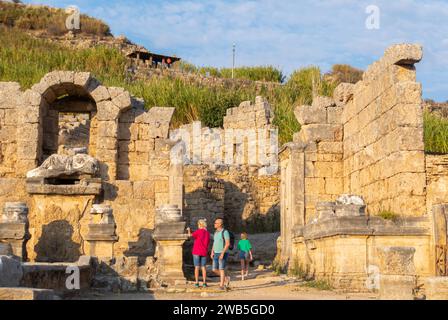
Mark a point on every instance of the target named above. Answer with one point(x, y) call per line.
point(435, 133)
point(388, 215)
point(279, 267)
point(297, 270)
point(318, 284)
point(26, 60)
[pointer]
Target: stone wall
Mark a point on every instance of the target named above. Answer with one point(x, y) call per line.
point(251, 197)
point(130, 143)
point(74, 131)
point(367, 140)
point(204, 196)
point(383, 135)
point(321, 141)
point(436, 180)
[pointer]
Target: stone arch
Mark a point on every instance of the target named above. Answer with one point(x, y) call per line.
point(57, 85)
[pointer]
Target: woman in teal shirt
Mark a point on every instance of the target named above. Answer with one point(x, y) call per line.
point(245, 255)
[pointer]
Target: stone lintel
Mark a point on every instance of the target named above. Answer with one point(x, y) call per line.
point(362, 225)
point(112, 238)
point(170, 229)
point(77, 189)
point(170, 238)
point(101, 232)
point(13, 231)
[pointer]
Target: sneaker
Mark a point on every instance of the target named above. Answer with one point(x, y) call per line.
point(204, 285)
point(222, 288)
point(196, 285)
point(227, 282)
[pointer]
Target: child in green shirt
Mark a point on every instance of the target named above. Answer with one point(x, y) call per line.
point(245, 255)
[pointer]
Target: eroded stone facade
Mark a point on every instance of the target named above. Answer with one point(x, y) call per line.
point(226, 172)
point(366, 140)
point(130, 144)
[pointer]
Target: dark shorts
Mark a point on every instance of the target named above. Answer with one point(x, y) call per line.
point(220, 264)
point(244, 255)
point(199, 261)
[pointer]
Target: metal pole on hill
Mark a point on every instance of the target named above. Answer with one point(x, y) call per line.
point(233, 63)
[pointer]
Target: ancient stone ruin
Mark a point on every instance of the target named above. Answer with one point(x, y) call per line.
point(90, 179)
point(366, 141)
point(87, 180)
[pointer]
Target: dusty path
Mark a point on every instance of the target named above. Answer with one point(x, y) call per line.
point(262, 285)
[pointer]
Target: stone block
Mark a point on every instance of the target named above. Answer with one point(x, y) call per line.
point(397, 287)
point(334, 115)
point(107, 129)
point(100, 94)
point(143, 190)
point(321, 102)
point(320, 132)
point(123, 100)
point(343, 93)
point(310, 115)
point(436, 288)
point(404, 54)
point(107, 111)
point(396, 260)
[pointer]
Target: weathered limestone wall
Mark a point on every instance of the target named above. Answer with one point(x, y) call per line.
point(251, 198)
point(203, 196)
point(384, 156)
point(247, 201)
point(320, 139)
point(437, 180)
point(368, 141)
point(130, 143)
point(352, 263)
point(9, 103)
point(74, 131)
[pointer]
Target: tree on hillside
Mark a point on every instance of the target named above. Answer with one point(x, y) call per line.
point(344, 73)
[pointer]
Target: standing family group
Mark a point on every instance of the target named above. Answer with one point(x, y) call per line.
point(223, 243)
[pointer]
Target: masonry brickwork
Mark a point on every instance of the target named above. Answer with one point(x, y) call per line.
point(367, 141)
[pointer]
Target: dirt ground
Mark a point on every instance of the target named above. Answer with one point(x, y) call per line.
point(261, 285)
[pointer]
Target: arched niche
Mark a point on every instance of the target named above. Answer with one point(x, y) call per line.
point(78, 92)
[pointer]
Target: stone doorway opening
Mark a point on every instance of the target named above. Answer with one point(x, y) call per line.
point(68, 123)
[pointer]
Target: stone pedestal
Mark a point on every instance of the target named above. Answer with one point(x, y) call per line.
point(436, 288)
point(397, 273)
point(170, 236)
point(14, 228)
point(101, 236)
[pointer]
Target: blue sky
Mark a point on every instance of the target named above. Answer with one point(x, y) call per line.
point(286, 34)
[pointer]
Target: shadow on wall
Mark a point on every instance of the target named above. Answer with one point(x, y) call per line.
point(56, 244)
point(145, 245)
point(242, 213)
point(263, 223)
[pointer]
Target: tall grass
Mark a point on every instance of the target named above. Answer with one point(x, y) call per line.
point(435, 133)
point(26, 60)
point(49, 20)
point(258, 73)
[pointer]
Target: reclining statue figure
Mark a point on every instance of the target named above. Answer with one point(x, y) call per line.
point(61, 165)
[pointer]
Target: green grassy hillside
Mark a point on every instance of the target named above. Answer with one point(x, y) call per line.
point(49, 20)
point(25, 59)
